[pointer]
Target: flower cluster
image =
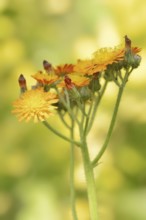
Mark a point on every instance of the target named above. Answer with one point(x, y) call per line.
point(69, 85)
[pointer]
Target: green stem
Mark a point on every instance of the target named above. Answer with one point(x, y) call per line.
point(97, 101)
point(91, 187)
point(112, 123)
point(88, 117)
point(63, 120)
point(72, 185)
point(59, 134)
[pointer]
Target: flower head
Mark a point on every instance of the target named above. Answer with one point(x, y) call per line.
point(101, 59)
point(64, 69)
point(35, 104)
point(105, 56)
point(45, 78)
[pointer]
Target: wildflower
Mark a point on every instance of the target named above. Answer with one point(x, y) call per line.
point(105, 56)
point(44, 78)
point(62, 70)
point(101, 59)
point(35, 104)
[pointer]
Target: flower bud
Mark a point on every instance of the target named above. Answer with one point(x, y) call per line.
point(137, 60)
point(47, 66)
point(132, 60)
point(108, 75)
point(68, 82)
point(127, 43)
point(22, 83)
point(94, 83)
point(131, 57)
point(73, 92)
point(85, 93)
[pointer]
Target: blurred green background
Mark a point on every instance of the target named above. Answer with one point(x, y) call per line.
point(34, 164)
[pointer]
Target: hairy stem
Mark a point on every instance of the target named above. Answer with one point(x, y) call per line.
point(113, 120)
point(72, 167)
point(91, 187)
point(97, 101)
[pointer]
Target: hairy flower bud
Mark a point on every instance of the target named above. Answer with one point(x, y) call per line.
point(22, 83)
point(68, 82)
point(127, 43)
point(47, 66)
point(131, 57)
point(94, 83)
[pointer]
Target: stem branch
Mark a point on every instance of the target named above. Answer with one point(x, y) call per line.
point(112, 123)
point(97, 101)
point(59, 134)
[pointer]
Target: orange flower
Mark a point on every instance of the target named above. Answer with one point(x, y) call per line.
point(105, 56)
point(101, 59)
point(35, 104)
point(64, 69)
point(45, 78)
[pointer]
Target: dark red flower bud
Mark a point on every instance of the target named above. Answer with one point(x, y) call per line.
point(127, 42)
point(22, 83)
point(47, 66)
point(68, 82)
